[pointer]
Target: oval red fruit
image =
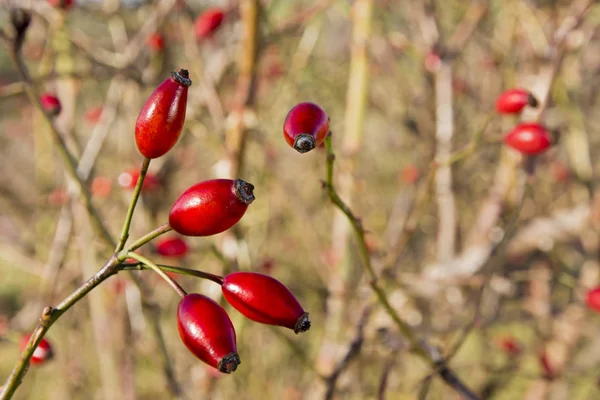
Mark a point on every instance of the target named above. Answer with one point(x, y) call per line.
point(528, 138)
point(207, 23)
point(172, 247)
point(264, 299)
point(207, 331)
point(156, 42)
point(514, 100)
point(211, 207)
point(592, 299)
point(50, 104)
point(161, 120)
point(305, 127)
point(42, 353)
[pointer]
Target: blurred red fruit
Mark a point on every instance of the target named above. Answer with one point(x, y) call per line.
point(101, 187)
point(208, 22)
point(510, 345)
point(50, 104)
point(41, 354)
point(528, 138)
point(410, 174)
point(92, 115)
point(172, 247)
point(592, 299)
point(128, 180)
point(514, 100)
point(64, 4)
point(156, 43)
point(547, 367)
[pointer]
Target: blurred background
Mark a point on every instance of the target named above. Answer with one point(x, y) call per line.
point(486, 255)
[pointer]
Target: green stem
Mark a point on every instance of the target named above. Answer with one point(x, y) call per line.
point(156, 268)
point(122, 255)
point(132, 204)
point(178, 270)
point(49, 316)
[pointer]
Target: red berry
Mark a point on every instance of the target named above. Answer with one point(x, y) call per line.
point(510, 345)
point(101, 187)
point(172, 247)
point(156, 42)
point(161, 120)
point(64, 4)
point(129, 179)
point(211, 207)
point(592, 299)
point(528, 138)
point(264, 299)
point(50, 104)
point(514, 100)
point(207, 23)
point(207, 331)
point(41, 354)
point(305, 127)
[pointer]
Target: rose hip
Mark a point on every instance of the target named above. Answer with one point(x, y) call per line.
point(305, 127)
point(208, 22)
point(160, 122)
point(514, 100)
point(42, 353)
point(51, 104)
point(529, 138)
point(211, 207)
point(207, 331)
point(172, 247)
point(264, 299)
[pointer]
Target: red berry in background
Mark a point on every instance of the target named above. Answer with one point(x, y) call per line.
point(264, 299)
point(211, 207)
point(410, 174)
point(92, 115)
point(207, 331)
point(305, 127)
point(510, 345)
point(41, 354)
point(64, 4)
point(101, 187)
point(433, 61)
point(156, 43)
point(529, 138)
point(549, 370)
point(592, 299)
point(514, 100)
point(161, 120)
point(129, 179)
point(172, 247)
point(50, 104)
point(207, 23)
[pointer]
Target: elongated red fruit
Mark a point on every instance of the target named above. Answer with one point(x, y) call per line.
point(264, 299)
point(172, 247)
point(528, 138)
point(161, 120)
point(42, 353)
point(207, 331)
point(211, 207)
point(305, 127)
point(513, 101)
point(50, 104)
point(592, 299)
point(208, 22)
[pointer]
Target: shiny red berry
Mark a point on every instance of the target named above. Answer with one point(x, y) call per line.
point(129, 179)
point(208, 22)
point(529, 138)
point(264, 299)
point(64, 4)
point(41, 354)
point(211, 207)
point(305, 127)
point(156, 43)
point(207, 331)
point(592, 299)
point(172, 247)
point(161, 120)
point(51, 104)
point(514, 100)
